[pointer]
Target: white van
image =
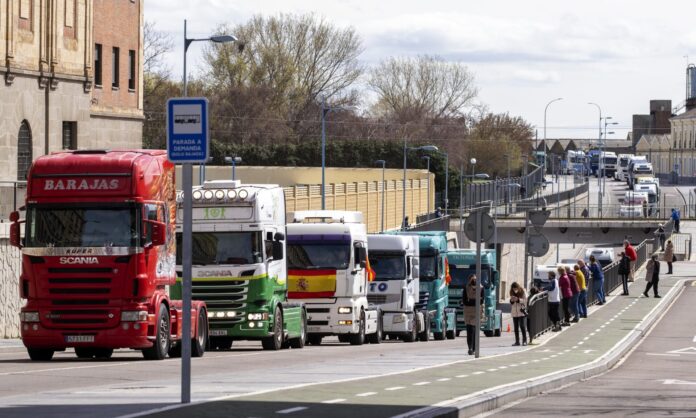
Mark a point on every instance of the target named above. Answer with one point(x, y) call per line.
point(604, 256)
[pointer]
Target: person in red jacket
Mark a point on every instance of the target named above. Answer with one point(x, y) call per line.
point(566, 294)
point(574, 307)
point(633, 256)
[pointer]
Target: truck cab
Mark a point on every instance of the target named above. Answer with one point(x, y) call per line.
point(652, 192)
point(462, 263)
point(396, 286)
point(239, 264)
point(329, 271)
point(98, 256)
point(622, 167)
point(608, 163)
point(593, 157)
point(638, 166)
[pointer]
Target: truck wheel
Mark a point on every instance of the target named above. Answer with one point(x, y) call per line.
point(315, 339)
point(359, 338)
point(275, 341)
point(103, 353)
point(411, 336)
point(458, 332)
point(299, 342)
point(497, 332)
point(424, 336)
point(377, 337)
point(343, 338)
point(451, 334)
point(221, 343)
point(199, 343)
point(488, 333)
point(175, 350)
point(160, 346)
point(40, 354)
point(439, 336)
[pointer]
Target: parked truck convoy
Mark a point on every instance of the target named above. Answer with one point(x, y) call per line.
point(329, 271)
point(239, 265)
point(98, 256)
point(395, 260)
point(462, 263)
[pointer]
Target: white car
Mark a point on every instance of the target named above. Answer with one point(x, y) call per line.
point(604, 256)
point(630, 211)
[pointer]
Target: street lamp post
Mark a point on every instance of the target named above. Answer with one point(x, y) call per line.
point(427, 158)
point(384, 189)
point(187, 185)
point(545, 109)
point(599, 142)
point(406, 150)
point(234, 161)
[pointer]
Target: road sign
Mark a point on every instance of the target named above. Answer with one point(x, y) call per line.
point(187, 130)
point(487, 227)
point(539, 217)
point(537, 245)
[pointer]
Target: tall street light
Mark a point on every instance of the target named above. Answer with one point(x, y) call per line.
point(187, 185)
point(545, 109)
point(383, 163)
point(428, 148)
point(446, 180)
point(599, 141)
point(234, 161)
point(325, 111)
point(427, 158)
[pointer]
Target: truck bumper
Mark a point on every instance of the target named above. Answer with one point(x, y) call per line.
point(125, 335)
point(242, 331)
point(397, 322)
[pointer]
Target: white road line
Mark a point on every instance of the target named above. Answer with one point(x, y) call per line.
point(662, 354)
point(574, 347)
point(512, 365)
point(291, 410)
point(567, 350)
point(597, 330)
point(592, 333)
point(444, 379)
point(503, 367)
point(330, 401)
point(694, 336)
point(395, 388)
point(586, 338)
point(364, 394)
point(493, 370)
point(581, 343)
point(421, 383)
point(524, 362)
point(477, 373)
point(461, 376)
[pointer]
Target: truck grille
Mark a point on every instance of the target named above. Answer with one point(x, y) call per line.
point(423, 299)
point(222, 295)
point(377, 299)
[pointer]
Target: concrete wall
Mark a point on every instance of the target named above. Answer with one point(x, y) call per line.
point(9, 290)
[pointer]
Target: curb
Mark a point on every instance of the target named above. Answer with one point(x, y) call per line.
point(497, 397)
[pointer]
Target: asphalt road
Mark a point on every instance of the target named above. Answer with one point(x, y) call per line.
point(657, 379)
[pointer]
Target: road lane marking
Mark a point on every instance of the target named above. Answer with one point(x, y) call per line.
point(503, 367)
point(676, 382)
point(524, 363)
point(586, 338)
point(421, 383)
point(364, 394)
point(477, 373)
point(291, 410)
point(395, 388)
point(461, 376)
point(574, 347)
point(694, 336)
point(444, 379)
point(331, 401)
point(581, 342)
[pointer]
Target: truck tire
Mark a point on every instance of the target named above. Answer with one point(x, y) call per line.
point(359, 338)
point(440, 336)
point(160, 347)
point(343, 338)
point(275, 341)
point(299, 342)
point(451, 334)
point(378, 336)
point(411, 336)
point(497, 332)
point(40, 354)
point(175, 350)
point(84, 352)
point(424, 336)
point(199, 343)
point(315, 339)
point(221, 343)
point(488, 333)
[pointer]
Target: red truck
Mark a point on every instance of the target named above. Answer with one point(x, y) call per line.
point(98, 254)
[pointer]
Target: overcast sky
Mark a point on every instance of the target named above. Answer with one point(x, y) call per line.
point(617, 53)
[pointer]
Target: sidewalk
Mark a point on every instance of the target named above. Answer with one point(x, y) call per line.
point(469, 386)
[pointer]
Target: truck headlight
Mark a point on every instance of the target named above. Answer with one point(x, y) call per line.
point(258, 316)
point(133, 316)
point(398, 319)
point(345, 310)
point(29, 316)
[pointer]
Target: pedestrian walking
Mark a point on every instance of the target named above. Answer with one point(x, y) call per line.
point(518, 311)
point(624, 271)
point(661, 236)
point(597, 280)
point(669, 256)
point(630, 251)
point(676, 217)
point(652, 276)
point(469, 302)
point(554, 301)
point(582, 297)
point(566, 295)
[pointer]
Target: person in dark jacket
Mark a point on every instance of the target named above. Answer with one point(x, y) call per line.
point(624, 271)
point(661, 236)
point(469, 302)
point(597, 280)
point(652, 276)
point(675, 219)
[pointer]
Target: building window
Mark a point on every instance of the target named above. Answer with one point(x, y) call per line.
point(70, 135)
point(98, 60)
point(26, 13)
point(24, 151)
point(69, 17)
point(131, 70)
point(114, 67)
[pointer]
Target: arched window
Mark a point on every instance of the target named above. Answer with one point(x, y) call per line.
point(24, 151)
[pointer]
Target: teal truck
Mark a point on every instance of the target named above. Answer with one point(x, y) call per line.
point(239, 264)
point(462, 264)
point(434, 282)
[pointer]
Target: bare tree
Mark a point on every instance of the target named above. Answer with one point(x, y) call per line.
point(156, 44)
point(422, 87)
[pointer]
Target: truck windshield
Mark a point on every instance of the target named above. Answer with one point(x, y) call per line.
point(428, 268)
point(388, 267)
point(460, 276)
point(223, 248)
point(318, 256)
point(83, 226)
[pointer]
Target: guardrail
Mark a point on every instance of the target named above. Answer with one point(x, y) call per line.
point(538, 321)
point(437, 224)
point(613, 211)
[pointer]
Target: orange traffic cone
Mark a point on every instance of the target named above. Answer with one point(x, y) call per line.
point(508, 328)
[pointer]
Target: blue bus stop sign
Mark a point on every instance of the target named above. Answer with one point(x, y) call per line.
point(187, 130)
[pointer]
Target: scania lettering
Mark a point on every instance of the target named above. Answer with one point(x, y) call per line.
point(329, 270)
point(239, 264)
point(396, 286)
point(98, 255)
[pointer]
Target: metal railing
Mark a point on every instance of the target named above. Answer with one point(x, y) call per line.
point(582, 210)
point(538, 321)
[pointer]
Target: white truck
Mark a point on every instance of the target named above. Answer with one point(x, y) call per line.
point(652, 190)
point(329, 271)
point(622, 168)
point(395, 289)
point(608, 162)
point(638, 166)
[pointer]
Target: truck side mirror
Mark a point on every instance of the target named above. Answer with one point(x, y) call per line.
point(158, 232)
point(361, 256)
point(15, 239)
point(277, 250)
point(496, 279)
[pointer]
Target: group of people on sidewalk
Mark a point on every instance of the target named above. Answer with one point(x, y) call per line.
point(567, 289)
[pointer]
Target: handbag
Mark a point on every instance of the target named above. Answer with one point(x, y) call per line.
point(524, 311)
point(674, 258)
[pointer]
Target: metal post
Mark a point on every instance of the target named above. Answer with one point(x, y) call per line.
point(403, 202)
point(446, 182)
point(461, 201)
point(234, 167)
point(187, 186)
point(428, 189)
point(323, 153)
point(384, 191)
point(478, 282)
point(558, 215)
point(526, 249)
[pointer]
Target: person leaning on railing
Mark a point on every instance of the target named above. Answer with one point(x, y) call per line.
point(554, 303)
point(582, 297)
point(597, 280)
